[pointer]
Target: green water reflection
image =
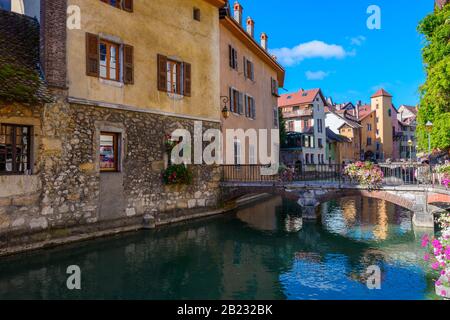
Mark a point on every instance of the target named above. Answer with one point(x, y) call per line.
point(265, 251)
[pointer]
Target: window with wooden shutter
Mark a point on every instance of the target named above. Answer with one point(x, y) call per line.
point(92, 55)
point(187, 79)
point(128, 63)
point(253, 109)
point(162, 73)
point(245, 68)
point(127, 5)
point(110, 65)
point(230, 55)
point(231, 99)
point(246, 106)
point(241, 103)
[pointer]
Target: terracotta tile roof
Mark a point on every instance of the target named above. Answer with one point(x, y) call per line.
point(364, 110)
point(298, 98)
point(20, 75)
point(380, 93)
point(366, 115)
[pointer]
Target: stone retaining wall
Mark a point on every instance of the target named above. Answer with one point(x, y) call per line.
point(65, 190)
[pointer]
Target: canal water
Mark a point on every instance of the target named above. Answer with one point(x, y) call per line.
point(264, 251)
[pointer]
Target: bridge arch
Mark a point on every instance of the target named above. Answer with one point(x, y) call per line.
point(317, 196)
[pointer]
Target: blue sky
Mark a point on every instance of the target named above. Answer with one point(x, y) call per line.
point(338, 52)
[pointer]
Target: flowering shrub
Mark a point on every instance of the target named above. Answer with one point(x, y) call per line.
point(439, 255)
point(365, 173)
point(444, 172)
point(177, 174)
point(286, 174)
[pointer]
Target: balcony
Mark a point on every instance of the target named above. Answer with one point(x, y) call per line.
point(298, 113)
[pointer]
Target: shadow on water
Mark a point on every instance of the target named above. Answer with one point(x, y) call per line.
point(263, 251)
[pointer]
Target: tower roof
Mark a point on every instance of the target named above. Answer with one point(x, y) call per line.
point(382, 93)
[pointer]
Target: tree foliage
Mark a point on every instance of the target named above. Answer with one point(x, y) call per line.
point(435, 92)
point(282, 128)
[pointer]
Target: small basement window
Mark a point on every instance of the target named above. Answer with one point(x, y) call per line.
point(15, 149)
point(109, 152)
point(197, 14)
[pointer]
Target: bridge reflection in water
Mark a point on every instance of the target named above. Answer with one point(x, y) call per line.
point(264, 251)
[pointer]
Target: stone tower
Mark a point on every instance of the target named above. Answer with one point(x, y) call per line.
point(381, 103)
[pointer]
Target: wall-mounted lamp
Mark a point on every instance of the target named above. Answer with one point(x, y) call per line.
point(225, 110)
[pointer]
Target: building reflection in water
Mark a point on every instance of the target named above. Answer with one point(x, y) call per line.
point(364, 218)
point(265, 251)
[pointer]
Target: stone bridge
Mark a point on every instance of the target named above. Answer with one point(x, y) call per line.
point(424, 201)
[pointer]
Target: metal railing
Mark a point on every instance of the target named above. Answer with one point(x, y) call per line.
point(394, 174)
point(245, 173)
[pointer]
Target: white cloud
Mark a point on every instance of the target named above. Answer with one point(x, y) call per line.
point(316, 75)
point(312, 49)
point(357, 41)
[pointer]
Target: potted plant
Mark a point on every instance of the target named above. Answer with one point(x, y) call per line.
point(365, 173)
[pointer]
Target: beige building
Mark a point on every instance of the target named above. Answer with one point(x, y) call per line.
point(381, 103)
point(155, 41)
point(250, 78)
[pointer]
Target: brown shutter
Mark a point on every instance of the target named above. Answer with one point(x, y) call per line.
point(127, 5)
point(162, 73)
point(245, 68)
point(230, 56)
point(92, 55)
point(187, 79)
point(128, 64)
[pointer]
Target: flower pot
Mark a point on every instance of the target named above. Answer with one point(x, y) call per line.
point(443, 290)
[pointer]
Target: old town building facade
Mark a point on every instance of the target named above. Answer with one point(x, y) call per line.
point(250, 78)
point(90, 160)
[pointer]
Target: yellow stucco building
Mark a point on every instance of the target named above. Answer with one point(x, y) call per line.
point(381, 103)
point(151, 29)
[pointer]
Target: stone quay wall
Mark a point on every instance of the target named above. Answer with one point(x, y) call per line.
point(67, 196)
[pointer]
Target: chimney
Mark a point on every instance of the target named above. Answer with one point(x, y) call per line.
point(251, 27)
point(264, 40)
point(357, 109)
point(238, 12)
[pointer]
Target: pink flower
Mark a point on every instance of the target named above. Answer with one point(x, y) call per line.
point(435, 266)
point(438, 283)
point(443, 293)
point(443, 273)
point(437, 244)
point(426, 257)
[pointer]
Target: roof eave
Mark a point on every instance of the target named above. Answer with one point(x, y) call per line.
point(217, 3)
point(239, 32)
